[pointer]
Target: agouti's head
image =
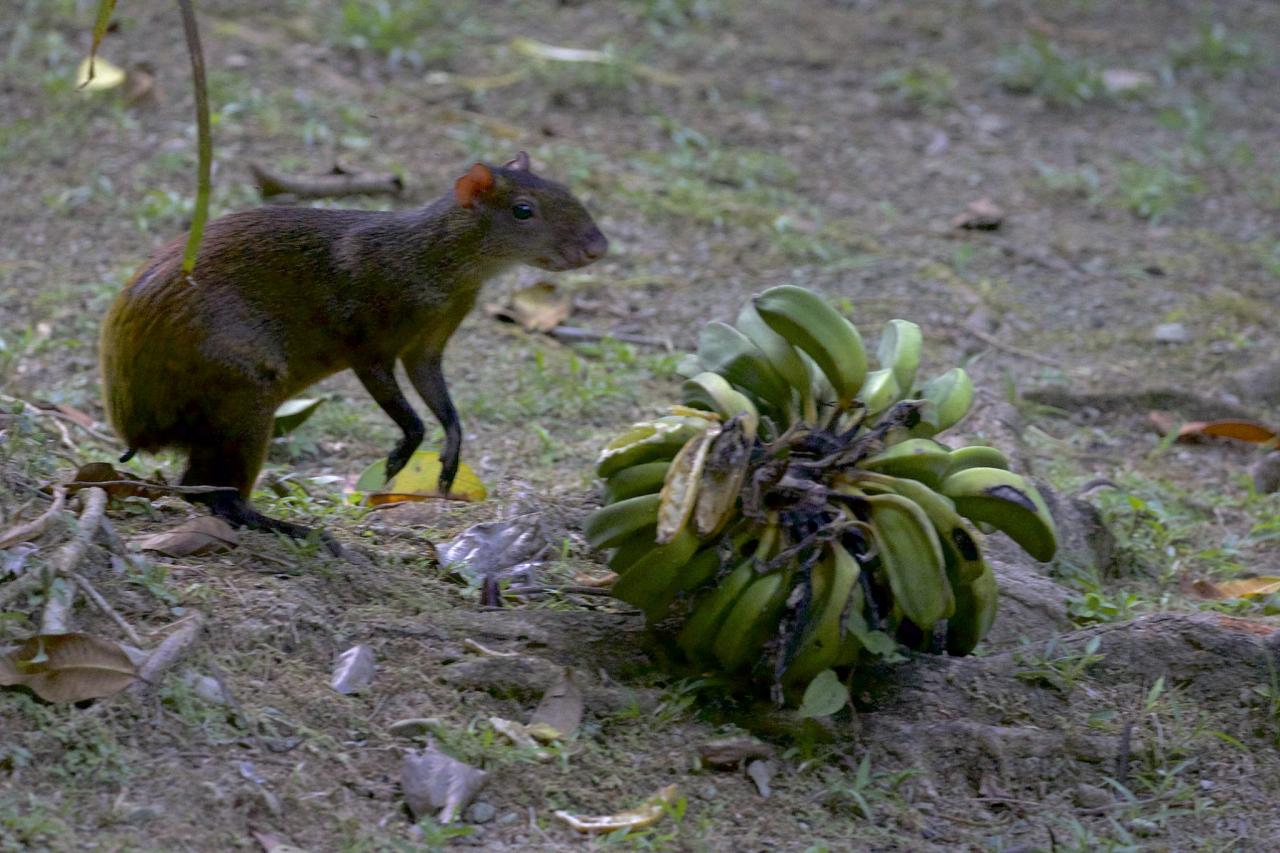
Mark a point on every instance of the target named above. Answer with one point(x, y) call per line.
point(528, 219)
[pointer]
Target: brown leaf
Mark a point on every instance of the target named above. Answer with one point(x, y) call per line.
point(205, 534)
point(540, 307)
point(732, 751)
point(1246, 587)
point(68, 667)
point(1234, 428)
point(561, 707)
point(431, 780)
point(980, 215)
point(123, 484)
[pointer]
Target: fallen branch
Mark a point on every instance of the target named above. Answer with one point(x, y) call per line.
point(105, 607)
point(167, 653)
point(35, 528)
point(337, 183)
point(60, 597)
point(576, 333)
point(77, 485)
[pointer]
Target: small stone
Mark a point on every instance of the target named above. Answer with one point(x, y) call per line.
point(1171, 333)
point(412, 727)
point(508, 818)
point(1091, 796)
point(209, 689)
point(1127, 81)
point(708, 792)
point(481, 812)
point(143, 814)
point(1266, 473)
point(1143, 827)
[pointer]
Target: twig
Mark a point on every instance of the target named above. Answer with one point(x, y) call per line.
point(105, 607)
point(993, 341)
point(170, 650)
point(577, 333)
point(60, 597)
point(562, 590)
point(154, 487)
point(338, 183)
point(36, 527)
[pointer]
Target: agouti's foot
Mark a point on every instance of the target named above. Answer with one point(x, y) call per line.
point(238, 512)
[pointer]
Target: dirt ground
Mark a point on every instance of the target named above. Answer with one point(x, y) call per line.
point(725, 146)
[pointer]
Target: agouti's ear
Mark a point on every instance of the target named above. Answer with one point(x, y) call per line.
point(475, 182)
point(521, 162)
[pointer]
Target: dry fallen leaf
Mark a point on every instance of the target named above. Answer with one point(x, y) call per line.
point(431, 780)
point(540, 307)
point(1234, 428)
point(980, 215)
point(68, 667)
point(646, 814)
point(106, 75)
point(560, 710)
point(354, 670)
point(123, 484)
point(732, 751)
point(204, 534)
point(1240, 588)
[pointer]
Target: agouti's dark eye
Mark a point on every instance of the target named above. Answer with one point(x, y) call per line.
point(523, 210)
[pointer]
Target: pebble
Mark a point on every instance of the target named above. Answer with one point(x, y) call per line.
point(1171, 333)
point(481, 812)
point(1091, 796)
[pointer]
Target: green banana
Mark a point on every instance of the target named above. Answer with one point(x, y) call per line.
point(680, 489)
point(711, 391)
point(723, 349)
point(976, 605)
point(912, 559)
point(899, 350)
point(976, 456)
point(632, 548)
point(752, 619)
point(700, 629)
point(951, 394)
point(1007, 502)
point(920, 459)
point(643, 479)
point(648, 441)
point(609, 525)
point(823, 640)
point(808, 322)
point(879, 391)
point(652, 581)
point(784, 358)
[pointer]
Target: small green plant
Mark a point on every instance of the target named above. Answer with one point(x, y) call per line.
point(1055, 667)
point(416, 33)
point(1216, 51)
point(1038, 67)
point(665, 15)
point(921, 86)
point(1153, 191)
point(1083, 182)
point(866, 789)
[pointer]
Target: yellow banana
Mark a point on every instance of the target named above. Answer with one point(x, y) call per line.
point(680, 488)
point(649, 441)
point(808, 322)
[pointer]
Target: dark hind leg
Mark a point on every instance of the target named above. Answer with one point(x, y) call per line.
point(234, 460)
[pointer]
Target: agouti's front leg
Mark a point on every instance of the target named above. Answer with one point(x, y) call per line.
point(380, 381)
point(424, 367)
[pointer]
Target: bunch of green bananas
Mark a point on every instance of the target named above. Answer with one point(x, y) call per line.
point(798, 502)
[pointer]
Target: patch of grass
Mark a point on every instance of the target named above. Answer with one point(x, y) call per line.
point(30, 823)
point(414, 33)
point(1216, 51)
point(1039, 67)
point(1153, 191)
point(865, 790)
point(1082, 182)
point(923, 85)
point(665, 15)
point(1056, 667)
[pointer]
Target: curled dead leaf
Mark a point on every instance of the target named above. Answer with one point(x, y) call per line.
point(540, 307)
point(559, 713)
point(68, 667)
point(432, 780)
point(646, 814)
point(205, 534)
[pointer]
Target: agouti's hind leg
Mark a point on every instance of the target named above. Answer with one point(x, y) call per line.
point(235, 462)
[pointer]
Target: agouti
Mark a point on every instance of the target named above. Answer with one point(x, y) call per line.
point(282, 297)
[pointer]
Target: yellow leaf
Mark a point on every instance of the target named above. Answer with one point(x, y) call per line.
point(647, 813)
point(1249, 587)
point(418, 480)
point(105, 75)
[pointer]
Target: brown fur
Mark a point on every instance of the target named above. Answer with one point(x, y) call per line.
point(280, 298)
